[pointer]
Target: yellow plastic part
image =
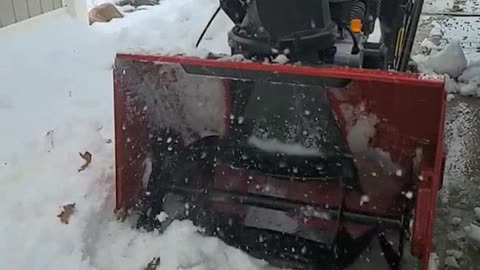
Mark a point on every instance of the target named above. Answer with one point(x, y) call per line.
point(356, 25)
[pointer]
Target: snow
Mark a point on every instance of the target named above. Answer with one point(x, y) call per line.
point(361, 133)
point(172, 27)
point(376, 36)
point(472, 71)
point(456, 221)
point(457, 254)
point(93, 3)
point(472, 88)
point(281, 59)
point(434, 262)
point(477, 212)
point(276, 146)
point(473, 234)
point(451, 60)
point(190, 105)
point(443, 53)
point(179, 247)
point(55, 102)
point(450, 261)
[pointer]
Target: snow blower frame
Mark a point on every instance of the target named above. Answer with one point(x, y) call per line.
point(186, 144)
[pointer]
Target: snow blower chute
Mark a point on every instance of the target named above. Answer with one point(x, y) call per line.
point(308, 166)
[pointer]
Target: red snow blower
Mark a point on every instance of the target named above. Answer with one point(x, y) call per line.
point(327, 163)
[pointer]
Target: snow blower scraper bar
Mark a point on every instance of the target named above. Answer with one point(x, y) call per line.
point(201, 139)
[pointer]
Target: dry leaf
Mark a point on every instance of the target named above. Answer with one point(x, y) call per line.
point(88, 159)
point(153, 264)
point(121, 214)
point(66, 213)
point(49, 136)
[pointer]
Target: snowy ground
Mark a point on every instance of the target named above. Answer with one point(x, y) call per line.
point(55, 102)
point(58, 103)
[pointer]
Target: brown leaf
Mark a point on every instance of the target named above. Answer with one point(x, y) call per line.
point(66, 213)
point(88, 159)
point(121, 214)
point(153, 264)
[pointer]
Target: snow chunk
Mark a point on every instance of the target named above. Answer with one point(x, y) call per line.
point(274, 145)
point(477, 212)
point(472, 88)
point(427, 44)
point(162, 217)
point(457, 254)
point(473, 234)
point(434, 262)
point(450, 261)
point(450, 97)
point(364, 199)
point(455, 235)
point(469, 73)
point(233, 58)
point(361, 133)
point(147, 164)
point(437, 30)
point(455, 221)
point(281, 59)
point(451, 61)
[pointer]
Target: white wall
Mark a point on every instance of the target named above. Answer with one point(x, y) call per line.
point(17, 11)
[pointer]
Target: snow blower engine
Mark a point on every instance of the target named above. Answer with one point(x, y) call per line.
point(331, 162)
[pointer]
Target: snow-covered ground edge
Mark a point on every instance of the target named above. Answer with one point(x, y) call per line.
point(442, 54)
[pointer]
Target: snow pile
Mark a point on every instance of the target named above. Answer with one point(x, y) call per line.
point(432, 44)
point(93, 3)
point(462, 75)
point(172, 27)
point(179, 247)
point(451, 61)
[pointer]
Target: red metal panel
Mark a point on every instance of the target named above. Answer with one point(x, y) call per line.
point(411, 109)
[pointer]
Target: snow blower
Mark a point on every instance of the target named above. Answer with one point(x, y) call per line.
point(321, 164)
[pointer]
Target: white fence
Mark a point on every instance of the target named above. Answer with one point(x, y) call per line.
point(14, 11)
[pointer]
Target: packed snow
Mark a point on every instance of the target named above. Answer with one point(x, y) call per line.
point(172, 27)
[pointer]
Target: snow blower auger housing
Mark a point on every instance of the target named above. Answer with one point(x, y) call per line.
point(325, 164)
point(305, 167)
